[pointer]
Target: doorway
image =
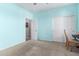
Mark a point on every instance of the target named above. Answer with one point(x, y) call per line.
point(28, 29)
point(31, 29)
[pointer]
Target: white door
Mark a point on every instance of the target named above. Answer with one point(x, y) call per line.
point(34, 28)
point(70, 25)
point(58, 27)
point(59, 24)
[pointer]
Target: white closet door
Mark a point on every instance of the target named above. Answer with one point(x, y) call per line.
point(70, 25)
point(34, 28)
point(58, 27)
point(59, 24)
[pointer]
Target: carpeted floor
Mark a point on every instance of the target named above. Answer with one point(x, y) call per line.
point(39, 48)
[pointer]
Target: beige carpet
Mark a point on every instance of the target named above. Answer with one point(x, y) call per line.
point(39, 48)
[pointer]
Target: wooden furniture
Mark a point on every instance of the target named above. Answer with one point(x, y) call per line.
point(70, 43)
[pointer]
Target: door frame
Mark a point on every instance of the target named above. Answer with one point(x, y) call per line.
point(32, 34)
point(29, 29)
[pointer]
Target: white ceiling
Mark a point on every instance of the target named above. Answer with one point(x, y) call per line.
point(40, 6)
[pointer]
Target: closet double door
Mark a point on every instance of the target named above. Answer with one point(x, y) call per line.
point(61, 23)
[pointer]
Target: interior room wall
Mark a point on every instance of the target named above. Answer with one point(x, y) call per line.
point(12, 24)
point(77, 9)
point(45, 18)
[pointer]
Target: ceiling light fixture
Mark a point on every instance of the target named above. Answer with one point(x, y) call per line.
point(47, 3)
point(34, 3)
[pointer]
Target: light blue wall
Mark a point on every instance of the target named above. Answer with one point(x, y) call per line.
point(45, 20)
point(77, 17)
point(12, 25)
point(12, 22)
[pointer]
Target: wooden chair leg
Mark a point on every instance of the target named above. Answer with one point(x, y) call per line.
point(71, 49)
point(67, 45)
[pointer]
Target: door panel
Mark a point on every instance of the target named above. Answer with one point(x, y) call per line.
point(70, 25)
point(58, 29)
point(34, 28)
